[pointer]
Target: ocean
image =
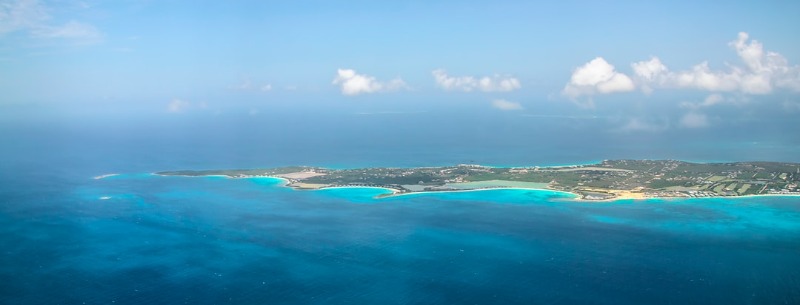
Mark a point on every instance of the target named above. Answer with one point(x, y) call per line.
point(138, 238)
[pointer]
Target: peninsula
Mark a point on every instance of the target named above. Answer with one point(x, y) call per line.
point(607, 180)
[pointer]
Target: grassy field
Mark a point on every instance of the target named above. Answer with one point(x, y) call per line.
point(716, 178)
point(743, 188)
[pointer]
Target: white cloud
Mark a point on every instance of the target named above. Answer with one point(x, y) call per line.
point(762, 73)
point(70, 30)
point(32, 17)
point(352, 83)
point(506, 105)
point(694, 120)
point(701, 77)
point(248, 85)
point(396, 84)
point(597, 76)
point(752, 54)
point(711, 100)
point(649, 71)
point(21, 15)
point(495, 83)
point(178, 106)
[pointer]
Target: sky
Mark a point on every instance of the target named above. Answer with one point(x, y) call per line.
point(646, 66)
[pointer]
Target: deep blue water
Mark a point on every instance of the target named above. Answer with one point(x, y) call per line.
point(170, 240)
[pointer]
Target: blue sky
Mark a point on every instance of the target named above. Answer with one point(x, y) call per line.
point(699, 62)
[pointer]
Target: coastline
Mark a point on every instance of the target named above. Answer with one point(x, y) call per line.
point(620, 195)
point(578, 197)
point(607, 181)
point(398, 194)
point(572, 196)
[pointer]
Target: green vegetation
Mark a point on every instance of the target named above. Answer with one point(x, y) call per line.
point(716, 178)
point(743, 189)
point(651, 178)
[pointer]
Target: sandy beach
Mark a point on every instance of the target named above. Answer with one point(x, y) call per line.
point(104, 176)
point(293, 180)
point(300, 175)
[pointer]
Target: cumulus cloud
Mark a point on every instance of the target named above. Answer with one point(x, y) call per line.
point(762, 73)
point(495, 83)
point(702, 77)
point(597, 76)
point(649, 71)
point(694, 120)
point(352, 83)
point(767, 68)
point(178, 106)
point(506, 105)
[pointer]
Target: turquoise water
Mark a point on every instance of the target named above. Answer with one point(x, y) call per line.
point(211, 240)
point(178, 240)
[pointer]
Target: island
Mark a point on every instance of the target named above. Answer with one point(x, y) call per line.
point(607, 180)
